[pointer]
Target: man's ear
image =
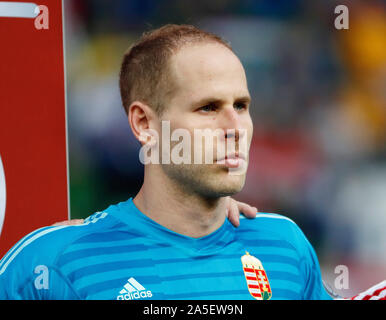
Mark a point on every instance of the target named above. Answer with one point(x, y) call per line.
point(141, 119)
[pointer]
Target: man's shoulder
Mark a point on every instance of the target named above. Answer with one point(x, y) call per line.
point(265, 220)
point(44, 245)
point(273, 225)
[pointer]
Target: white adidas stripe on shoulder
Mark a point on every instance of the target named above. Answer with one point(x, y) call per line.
point(29, 238)
point(269, 215)
point(4, 258)
point(22, 244)
point(273, 216)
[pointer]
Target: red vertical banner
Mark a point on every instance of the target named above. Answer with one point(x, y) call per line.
point(33, 150)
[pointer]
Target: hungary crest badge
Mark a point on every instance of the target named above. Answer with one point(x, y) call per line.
point(256, 277)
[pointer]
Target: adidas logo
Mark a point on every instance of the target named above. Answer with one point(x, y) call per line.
point(133, 290)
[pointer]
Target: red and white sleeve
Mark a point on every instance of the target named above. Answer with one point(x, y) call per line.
point(377, 292)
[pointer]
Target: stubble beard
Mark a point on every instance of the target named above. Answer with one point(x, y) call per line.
point(204, 180)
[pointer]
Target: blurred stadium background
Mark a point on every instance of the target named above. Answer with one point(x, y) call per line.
point(319, 111)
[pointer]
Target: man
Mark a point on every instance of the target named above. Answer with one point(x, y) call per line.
point(173, 241)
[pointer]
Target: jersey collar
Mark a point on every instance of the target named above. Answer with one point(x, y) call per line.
point(129, 214)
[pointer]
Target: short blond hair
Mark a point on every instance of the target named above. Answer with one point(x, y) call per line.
point(144, 74)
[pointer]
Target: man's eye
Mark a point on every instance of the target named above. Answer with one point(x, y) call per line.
point(240, 106)
point(208, 108)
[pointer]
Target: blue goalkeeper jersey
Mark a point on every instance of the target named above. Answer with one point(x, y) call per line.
point(122, 254)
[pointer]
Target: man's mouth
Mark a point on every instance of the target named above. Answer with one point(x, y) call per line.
point(233, 160)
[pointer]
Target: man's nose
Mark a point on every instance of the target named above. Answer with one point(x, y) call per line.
point(231, 124)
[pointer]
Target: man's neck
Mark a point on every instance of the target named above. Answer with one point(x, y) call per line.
point(179, 211)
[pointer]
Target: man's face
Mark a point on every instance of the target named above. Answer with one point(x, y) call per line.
point(210, 92)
